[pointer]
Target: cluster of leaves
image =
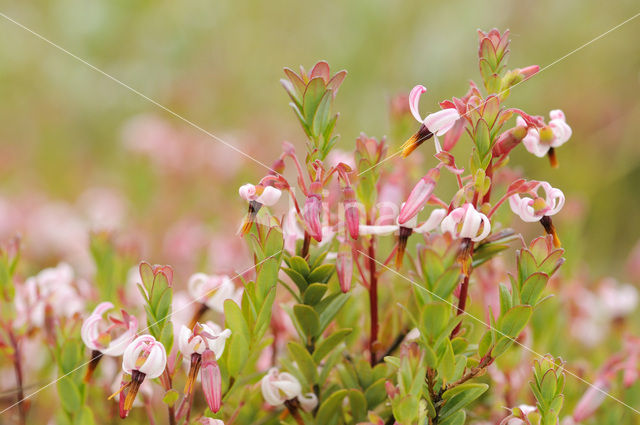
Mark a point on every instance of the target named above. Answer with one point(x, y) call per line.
point(157, 291)
point(547, 387)
point(73, 390)
point(312, 96)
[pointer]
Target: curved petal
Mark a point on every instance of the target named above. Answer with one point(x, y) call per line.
point(269, 196)
point(247, 192)
point(377, 230)
point(442, 121)
point(471, 223)
point(414, 100)
point(435, 218)
point(486, 228)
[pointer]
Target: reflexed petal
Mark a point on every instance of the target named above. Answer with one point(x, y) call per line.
point(414, 101)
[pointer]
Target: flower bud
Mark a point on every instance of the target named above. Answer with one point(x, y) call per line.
point(344, 267)
point(313, 216)
point(211, 380)
point(351, 212)
point(419, 196)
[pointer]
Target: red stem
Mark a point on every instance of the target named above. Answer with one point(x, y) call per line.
point(373, 299)
point(17, 364)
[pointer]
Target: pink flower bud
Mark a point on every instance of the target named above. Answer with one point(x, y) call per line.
point(418, 197)
point(312, 216)
point(351, 212)
point(211, 380)
point(344, 267)
point(529, 71)
point(466, 222)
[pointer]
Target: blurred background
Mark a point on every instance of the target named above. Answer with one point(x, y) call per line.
point(79, 152)
point(72, 138)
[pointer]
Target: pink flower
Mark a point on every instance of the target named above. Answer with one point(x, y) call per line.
point(418, 197)
point(211, 380)
point(312, 216)
point(278, 387)
point(435, 124)
point(539, 141)
point(263, 195)
point(432, 222)
point(213, 290)
point(205, 336)
point(98, 333)
point(144, 357)
point(351, 212)
point(466, 222)
point(531, 209)
point(591, 400)
point(344, 267)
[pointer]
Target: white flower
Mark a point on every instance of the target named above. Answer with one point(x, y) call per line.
point(213, 290)
point(145, 355)
point(278, 387)
point(432, 223)
point(466, 222)
point(98, 339)
point(533, 208)
point(209, 335)
point(268, 195)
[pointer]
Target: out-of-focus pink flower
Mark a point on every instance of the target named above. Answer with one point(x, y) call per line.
point(351, 212)
point(209, 421)
point(213, 290)
point(337, 156)
point(146, 355)
point(98, 333)
point(591, 400)
point(531, 209)
point(278, 387)
point(344, 267)
point(466, 222)
point(211, 380)
point(619, 300)
point(105, 209)
point(418, 197)
point(55, 288)
point(313, 216)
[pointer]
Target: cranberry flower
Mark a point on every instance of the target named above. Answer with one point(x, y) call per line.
point(144, 358)
point(405, 229)
point(279, 388)
point(541, 142)
point(435, 124)
point(257, 196)
point(107, 336)
point(418, 197)
point(193, 344)
point(465, 222)
point(536, 208)
point(212, 291)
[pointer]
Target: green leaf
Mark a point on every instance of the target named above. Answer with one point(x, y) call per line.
point(447, 366)
point(312, 98)
point(482, 138)
point(300, 265)
point(526, 265)
point(456, 400)
point(457, 418)
point(447, 282)
point(505, 298)
point(170, 397)
point(264, 316)
point(514, 320)
point(434, 318)
point(406, 411)
point(329, 343)
point(331, 407)
point(307, 319)
point(297, 278)
point(70, 355)
point(314, 293)
point(238, 353)
point(331, 309)
point(376, 393)
point(70, 396)
point(322, 273)
point(358, 405)
point(321, 117)
point(84, 417)
point(532, 288)
point(306, 365)
point(235, 320)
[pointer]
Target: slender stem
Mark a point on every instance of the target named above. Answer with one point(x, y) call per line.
point(305, 245)
point(166, 381)
point(17, 364)
point(486, 361)
point(373, 300)
point(487, 196)
point(465, 258)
